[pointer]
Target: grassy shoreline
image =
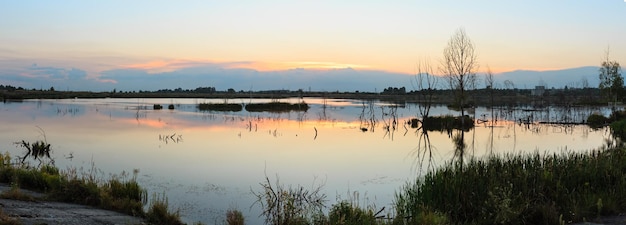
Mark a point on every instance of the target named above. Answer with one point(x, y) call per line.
point(118, 193)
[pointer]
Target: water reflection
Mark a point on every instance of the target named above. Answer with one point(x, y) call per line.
point(350, 142)
point(173, 138)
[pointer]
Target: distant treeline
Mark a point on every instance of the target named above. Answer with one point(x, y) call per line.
point(482, 97)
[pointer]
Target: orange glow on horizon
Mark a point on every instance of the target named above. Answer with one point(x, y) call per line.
point(159, 66)
point(309, 65)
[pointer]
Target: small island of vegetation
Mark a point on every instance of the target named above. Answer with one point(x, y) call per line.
point(276, 107)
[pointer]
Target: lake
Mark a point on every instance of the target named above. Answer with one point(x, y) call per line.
point(207, 162)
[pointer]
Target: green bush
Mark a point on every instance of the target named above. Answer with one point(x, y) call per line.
point(596, 120)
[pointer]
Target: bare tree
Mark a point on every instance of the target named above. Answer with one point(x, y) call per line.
point(611, 80)
point(459, 66)
point(489, 82)
point(425, 82)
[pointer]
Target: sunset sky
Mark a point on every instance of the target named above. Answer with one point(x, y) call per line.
point(88, 40)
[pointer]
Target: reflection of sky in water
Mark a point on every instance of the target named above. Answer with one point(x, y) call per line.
point(206, 162)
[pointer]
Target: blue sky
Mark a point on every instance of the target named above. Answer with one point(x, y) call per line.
point(79, 44)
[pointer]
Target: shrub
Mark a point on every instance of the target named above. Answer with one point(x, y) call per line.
point(596, 120)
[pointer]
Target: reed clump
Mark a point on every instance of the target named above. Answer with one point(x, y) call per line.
point(276, 107)
point(347, 213)
point(520, 189)
point(234, 217)
point(222, 107)
point(447, 122)
point(158, 213)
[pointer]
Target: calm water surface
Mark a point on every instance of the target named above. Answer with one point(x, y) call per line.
point(207, 162)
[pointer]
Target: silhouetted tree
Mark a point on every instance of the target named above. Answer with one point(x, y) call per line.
point(459, 66)
point(611, 80)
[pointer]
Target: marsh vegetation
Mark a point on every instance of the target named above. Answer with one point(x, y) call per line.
point(330, 132)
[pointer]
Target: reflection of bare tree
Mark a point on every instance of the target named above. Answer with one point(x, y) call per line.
point(367, 117)
point(422, 152)
point(174, 138)
point(301, 116)
point(458, 139)
point(323, 115)
point(391, 122)
point(490, 142)
point(425, 83)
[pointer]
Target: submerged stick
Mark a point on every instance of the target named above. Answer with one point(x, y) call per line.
point(315, 133)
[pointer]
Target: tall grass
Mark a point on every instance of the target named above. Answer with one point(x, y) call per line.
point(288, 205)
point(521, 189)
point(158, 212)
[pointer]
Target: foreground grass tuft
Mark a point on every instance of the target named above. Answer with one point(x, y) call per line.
point(158, 213)
point(234, 217)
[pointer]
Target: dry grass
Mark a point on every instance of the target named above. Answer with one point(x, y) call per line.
point(7, 220)
point(16, 194)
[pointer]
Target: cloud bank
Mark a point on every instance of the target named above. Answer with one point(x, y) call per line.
point(222, 76)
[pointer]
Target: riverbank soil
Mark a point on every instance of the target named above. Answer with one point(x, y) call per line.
point(45, 212)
